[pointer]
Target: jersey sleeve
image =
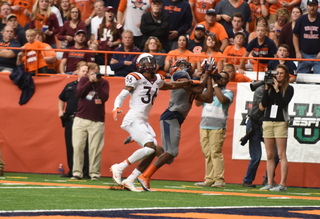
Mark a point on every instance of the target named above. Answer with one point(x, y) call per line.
point(132, 79)
point(161, 80)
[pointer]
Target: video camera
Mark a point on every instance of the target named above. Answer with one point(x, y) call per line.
point(98, 75)
point(268, 79)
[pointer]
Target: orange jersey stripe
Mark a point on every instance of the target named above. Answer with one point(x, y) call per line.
point(135, 75)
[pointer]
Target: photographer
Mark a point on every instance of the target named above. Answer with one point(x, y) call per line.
point(275, 100)
point(93, 92)
point(68, 96)
point(213, 130)
point(254, 135)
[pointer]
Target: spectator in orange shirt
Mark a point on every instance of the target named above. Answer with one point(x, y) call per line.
point(235, 50)
point(29, 56)
point(234, 76)
point(258, 8)
point(49, 56)
point(180, 54)
point(199, 9)
point(214, 27)
point(22, 8)
point(210, 49)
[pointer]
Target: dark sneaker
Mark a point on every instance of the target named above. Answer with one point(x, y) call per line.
point(248, 184)
point(128, 140)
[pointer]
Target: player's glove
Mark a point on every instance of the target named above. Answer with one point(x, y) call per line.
point(208, 64)
point(116, 111)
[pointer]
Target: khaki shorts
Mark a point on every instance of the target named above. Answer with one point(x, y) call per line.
point(275, 129)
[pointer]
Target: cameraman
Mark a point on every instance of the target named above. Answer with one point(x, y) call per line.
point(275, 100)
point(254, 135)
point(93, 92)
point(213, 130)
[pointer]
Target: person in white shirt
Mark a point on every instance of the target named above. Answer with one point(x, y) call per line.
point(55, 10)
point(96, 21)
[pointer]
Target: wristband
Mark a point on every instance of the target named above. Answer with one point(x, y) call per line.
point(216, 85)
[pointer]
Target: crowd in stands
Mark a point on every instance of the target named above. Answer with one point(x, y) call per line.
point(176, 28)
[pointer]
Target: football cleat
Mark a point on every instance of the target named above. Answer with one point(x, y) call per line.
point(145, 183)
point(116, 173)
point(128, 140)
point(128, 184)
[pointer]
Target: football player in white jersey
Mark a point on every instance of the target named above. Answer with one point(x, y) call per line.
point(143, 87)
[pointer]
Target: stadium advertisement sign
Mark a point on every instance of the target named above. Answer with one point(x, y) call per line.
point(303, 133)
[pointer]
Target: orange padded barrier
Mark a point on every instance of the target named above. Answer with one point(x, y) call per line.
point(32, 138)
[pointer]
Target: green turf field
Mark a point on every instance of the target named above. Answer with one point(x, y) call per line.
point(19, 191)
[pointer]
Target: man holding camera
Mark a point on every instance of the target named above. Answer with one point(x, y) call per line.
point(68, 96)
point(213, 129)
point(93, 92)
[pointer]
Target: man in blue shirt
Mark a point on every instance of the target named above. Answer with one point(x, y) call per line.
point(8, 57)
point(306, 39)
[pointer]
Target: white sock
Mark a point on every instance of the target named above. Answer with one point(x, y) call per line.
point(134, 175)
point(139, 154)
point(124, 164)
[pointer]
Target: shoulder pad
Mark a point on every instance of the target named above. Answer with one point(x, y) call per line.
point(135, 75)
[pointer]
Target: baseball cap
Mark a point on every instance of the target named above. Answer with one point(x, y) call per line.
point(11, 16)
point(312, 1)
point(211, 11)
point(240, 33)
point(157, 1)
point(109, 8)
point(201, 27)
point(80, 31)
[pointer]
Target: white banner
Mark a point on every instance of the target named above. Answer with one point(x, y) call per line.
point(303, 133)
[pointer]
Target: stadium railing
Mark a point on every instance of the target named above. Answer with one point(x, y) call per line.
point(106, 70)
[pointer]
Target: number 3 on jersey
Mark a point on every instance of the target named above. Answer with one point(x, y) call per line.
point(147, 98)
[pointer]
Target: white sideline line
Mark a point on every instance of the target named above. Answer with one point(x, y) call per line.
point(157, 208)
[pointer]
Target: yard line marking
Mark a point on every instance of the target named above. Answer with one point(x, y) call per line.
point(13, 184)
point(174, 190)
point(296, 193)
point(39, 187)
